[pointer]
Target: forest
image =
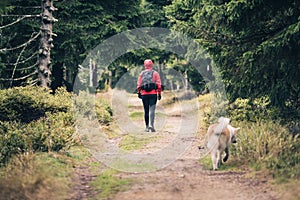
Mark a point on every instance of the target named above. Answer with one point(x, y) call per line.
point(256, 40)
point(53, 50)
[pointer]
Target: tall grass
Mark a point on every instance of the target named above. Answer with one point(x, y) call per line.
point(268, 146)
point(263, 142)
point(30, 176)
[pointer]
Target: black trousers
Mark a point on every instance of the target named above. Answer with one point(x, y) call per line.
point(149, 103)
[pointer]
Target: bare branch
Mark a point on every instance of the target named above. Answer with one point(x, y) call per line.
point(26, 68)
point(27, 16)
point(28, 7)
point(7, 25)
point(15, 66)
point(22, 45)
point(23, 61)
point(20, 78)
point(33, 82)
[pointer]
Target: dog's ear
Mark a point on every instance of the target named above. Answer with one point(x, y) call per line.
point(236, 129)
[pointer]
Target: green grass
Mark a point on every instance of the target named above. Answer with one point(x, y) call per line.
point(78, 154)
point(136, 115)
point(135, 142)
point(227, 166)
point(106, 184)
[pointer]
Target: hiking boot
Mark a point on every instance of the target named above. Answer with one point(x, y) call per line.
point(151, 129)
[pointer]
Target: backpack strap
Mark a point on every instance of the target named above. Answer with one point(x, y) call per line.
point(152, 72)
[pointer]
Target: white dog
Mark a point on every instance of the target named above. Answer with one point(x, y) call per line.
point(219, 136)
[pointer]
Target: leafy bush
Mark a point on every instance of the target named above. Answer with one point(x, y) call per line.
point(52, 132)
point(87, 105)
point(33, 119)
point(29, 103)
point(255, 110)
point(104, 112)
point(12, 140)
point(215, 106)
point(268, 145)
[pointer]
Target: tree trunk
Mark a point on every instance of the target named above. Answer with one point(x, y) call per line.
point(93, 79)
point(186, 81)
point(46, 42)
point(160, 71)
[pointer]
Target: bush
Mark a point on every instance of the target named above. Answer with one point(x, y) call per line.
point(255, 110)
point(268, 145)
point(32, 119)
point(25, 104)
point(52, 132)
point(87, 105)
point(12, 140)
point(104, 112)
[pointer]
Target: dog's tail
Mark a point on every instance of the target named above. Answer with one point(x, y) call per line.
point(214, 132)
point(223, 122)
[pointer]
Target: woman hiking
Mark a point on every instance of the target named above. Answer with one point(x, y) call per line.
point(149, 90)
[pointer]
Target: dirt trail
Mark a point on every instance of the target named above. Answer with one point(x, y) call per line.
point(185, 178)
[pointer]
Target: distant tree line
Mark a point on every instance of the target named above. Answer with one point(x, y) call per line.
point(254, 44)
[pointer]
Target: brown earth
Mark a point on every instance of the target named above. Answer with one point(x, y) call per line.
point(186, 179)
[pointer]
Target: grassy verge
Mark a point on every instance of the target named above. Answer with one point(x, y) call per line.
point(39, 175)
point(265, 148)
point(49, 176)
point(268, 146)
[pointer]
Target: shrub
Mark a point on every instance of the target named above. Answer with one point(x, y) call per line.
point(104, 111)
point(87, 105)
point(12, 140)
point(252, 110)
point(214, 107)
point(52, 132)
point(32, 119)
point(29, 103)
